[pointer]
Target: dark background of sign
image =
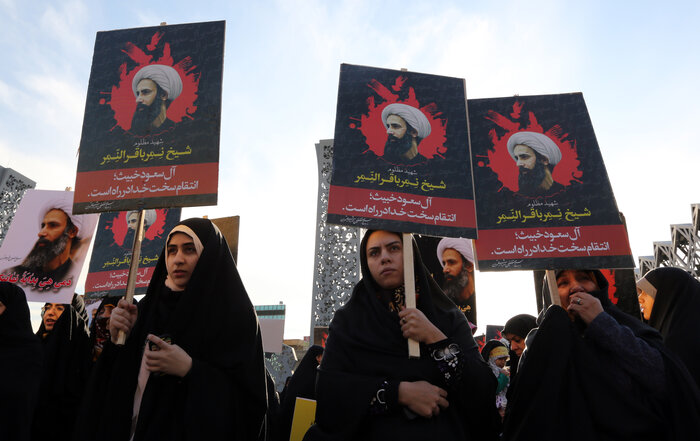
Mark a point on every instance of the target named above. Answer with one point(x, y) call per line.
point(101, 136)
point(106, 249)
point(593, 191)
point(352, 157)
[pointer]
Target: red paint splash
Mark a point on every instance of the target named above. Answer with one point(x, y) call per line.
point(372, 127)
point(119, 227)
point(480, 341)
point(122, 100)
point(501, 163)
point(612, 288)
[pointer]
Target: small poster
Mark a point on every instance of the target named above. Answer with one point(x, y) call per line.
point(544, 200)
point(450, 262)
point(46, 245)
point(111, 255)
point(152, 120)
point(304, 418)
point(401, 157)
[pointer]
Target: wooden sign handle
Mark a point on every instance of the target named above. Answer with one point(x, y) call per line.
point(133, 269)
point(552, 285)
point(409, 283)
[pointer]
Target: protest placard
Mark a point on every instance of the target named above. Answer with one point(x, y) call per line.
point(45, 246)
point(544, 200)
point(450, 261)
point(111, 254)
point(150, 134)
point(401, 153)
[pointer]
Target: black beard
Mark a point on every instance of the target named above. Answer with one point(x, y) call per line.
point(40, 256)
point(455, 285)
point(530, 181)
point(144, 115)
point(396, 147)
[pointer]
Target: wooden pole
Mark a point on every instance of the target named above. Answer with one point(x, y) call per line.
point(133, 268)
point(409, 283)
point(552, 285)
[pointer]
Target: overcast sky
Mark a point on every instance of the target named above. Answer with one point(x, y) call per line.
point(637, 68)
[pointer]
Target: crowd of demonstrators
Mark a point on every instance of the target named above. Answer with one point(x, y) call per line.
point(302, 384)
point(670, 302)
point(65, 342)
point(495, 354)
point(20, 365)
point(192, 367)
point(591, 371)
point(367, 386)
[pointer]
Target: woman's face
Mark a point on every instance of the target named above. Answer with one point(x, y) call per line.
point(517, 343)
point(646, 303)
point(52, 312)
point(385, 259)
point(181, 259)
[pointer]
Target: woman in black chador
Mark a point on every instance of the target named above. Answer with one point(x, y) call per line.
point(369, 389)
point(593, 372)
point(301, 385)
point(192, 367)
point(65, 344)
point(20, 365)
point(670, 298)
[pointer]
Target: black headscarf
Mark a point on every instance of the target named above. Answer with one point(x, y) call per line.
point(64, 376)
point(519, 325)
point(302, 384)
point(365, 347)
point(20, 365)
point(568, 387)
point(675, 314)
point(224, 396)
point(488, 347)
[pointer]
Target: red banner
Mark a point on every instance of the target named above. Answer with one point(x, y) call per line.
point(171, 180)
point(429, 210)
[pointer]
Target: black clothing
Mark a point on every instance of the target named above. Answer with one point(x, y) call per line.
point(675, 314)
point(271, 426)
point(573, 386)
point(366, 350)
point(223, 396)
point(20, 365)
point(302, 384)
point(519, 325)
point(468, 308)
point(64, 375)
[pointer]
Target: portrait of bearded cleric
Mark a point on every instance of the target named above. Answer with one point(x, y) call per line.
point(456, 256)
point(155, 87)
point(59, 237)
point(406, 126)
point(535, 155)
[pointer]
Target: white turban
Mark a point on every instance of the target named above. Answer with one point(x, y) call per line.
point(164, 76)
point(462, 246)
point(149, 216)
point(63, 202)
point(538, 142)
point(414, 117)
